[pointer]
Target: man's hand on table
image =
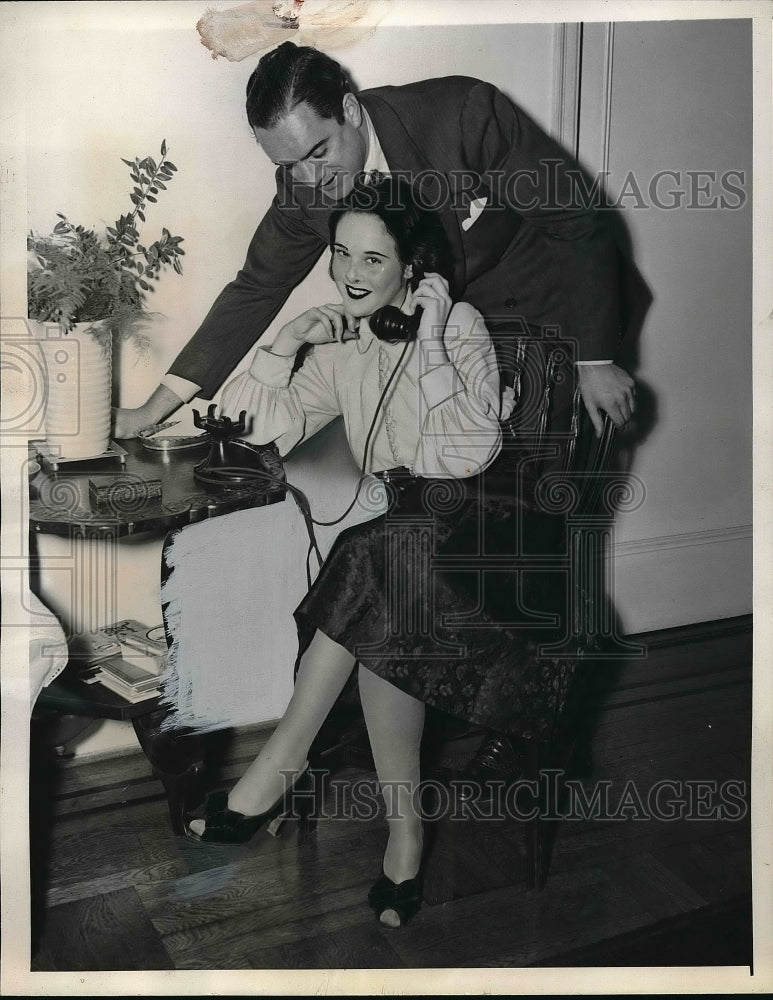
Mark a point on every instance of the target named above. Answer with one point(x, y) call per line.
point(127, 423)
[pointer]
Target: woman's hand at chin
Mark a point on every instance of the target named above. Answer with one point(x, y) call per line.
point(432, 294)
point(319, 325)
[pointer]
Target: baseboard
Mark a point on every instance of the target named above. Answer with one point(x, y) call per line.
point(244, 740)
point(104, 780)
point(698, 631)
point(691, 577)
point(683, 539)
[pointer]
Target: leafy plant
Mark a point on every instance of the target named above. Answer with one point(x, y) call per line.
point(75, 275)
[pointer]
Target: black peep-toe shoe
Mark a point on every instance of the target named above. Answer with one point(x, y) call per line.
point(226, 826)
point(402, 897)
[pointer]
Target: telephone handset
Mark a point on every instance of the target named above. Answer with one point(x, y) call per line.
point(390, 323)
point(393, 325)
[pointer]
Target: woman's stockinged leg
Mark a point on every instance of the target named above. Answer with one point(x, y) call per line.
point(395, 722)
point(324, 670)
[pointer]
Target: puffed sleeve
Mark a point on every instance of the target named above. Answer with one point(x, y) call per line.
point(281, 406)
point(460, 432)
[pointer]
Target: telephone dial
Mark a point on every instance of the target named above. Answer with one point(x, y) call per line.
point(235, 464)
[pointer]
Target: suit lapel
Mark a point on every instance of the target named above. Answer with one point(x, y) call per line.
point(402, 154)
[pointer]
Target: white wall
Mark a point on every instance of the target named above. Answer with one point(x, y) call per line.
point(677, 96)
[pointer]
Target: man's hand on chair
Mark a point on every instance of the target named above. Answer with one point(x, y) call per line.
point(607, 389)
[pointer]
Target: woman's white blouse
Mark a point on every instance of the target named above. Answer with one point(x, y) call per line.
point(440, 418)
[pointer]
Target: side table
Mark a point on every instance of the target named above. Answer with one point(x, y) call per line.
point(60, 504)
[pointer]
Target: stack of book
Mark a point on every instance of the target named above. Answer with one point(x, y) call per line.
point(126, 657)
point(124, 677)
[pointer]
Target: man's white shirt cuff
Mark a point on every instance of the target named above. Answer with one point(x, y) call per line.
point(181, 387)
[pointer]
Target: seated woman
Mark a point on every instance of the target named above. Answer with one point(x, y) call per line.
point(424, 416)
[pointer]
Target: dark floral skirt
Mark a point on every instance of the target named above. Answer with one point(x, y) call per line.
point(452, 596)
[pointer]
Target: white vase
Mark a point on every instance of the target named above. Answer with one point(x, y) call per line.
point(78, 368)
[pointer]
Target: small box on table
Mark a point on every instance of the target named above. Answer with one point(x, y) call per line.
point(121, 495)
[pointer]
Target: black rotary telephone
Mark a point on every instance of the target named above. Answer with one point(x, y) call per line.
point(233, 463)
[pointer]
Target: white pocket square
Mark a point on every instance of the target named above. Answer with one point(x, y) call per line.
point(476, 207)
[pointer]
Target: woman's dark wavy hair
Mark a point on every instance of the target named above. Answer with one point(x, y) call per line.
point(291, 75)
point(418, 233)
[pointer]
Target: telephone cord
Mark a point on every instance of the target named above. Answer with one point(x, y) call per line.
point(363, 474)
point(301, 500)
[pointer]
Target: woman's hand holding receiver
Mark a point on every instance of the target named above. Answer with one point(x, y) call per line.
point(319, 325)
point(432, 294)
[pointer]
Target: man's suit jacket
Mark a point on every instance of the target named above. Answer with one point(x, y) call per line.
point(533, 254)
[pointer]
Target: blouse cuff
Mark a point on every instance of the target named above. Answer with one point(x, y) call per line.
point(273, 370)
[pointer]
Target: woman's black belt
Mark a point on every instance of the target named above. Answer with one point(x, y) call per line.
point(401, 477)
point(411, 494)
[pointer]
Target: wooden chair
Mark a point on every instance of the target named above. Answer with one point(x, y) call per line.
point(570, 483)
point(558, 470)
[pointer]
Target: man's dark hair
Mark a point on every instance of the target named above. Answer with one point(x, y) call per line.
point(418, 233)
point(291, 75)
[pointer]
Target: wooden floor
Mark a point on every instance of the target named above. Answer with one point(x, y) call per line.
point(122, 893)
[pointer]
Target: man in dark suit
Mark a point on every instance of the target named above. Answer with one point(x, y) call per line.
point(527, 251)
